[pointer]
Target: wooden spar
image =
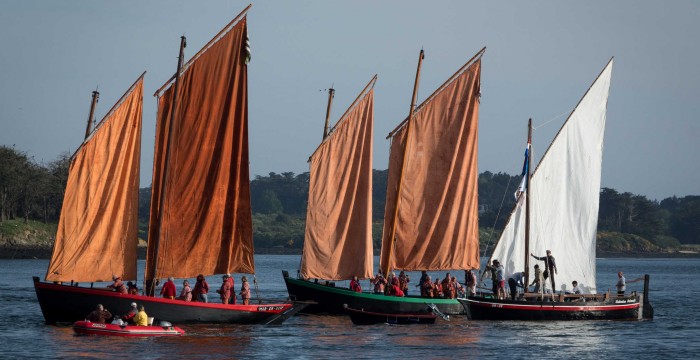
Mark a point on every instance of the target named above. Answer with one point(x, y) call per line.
point(223, 31)
point(331, 93)
point(91, 117)
point(369, 85)
point(150, 280)
point(527, 205)
point(110, 112)
point(392, 233)
point(474, 58)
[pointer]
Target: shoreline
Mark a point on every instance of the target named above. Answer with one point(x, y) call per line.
point(44, 253)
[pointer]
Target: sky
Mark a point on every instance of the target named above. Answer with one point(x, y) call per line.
point(541, 57)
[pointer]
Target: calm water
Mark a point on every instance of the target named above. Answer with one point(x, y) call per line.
point(674, 332)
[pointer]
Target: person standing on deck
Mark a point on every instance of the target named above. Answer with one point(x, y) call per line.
point(232, 300)
point(403, 282)
point(447, 288)
point(379, 282)
point(427, 288)
point(494, 276)
point(225, 290)
point(245, 290)
point(501, 281)
point(538, 281)
point(169, 291)
point(437, 288)
point(470, 280)
point(621, 285)
point(457, 289)
point(355, 285)
point(421, 282)
point(186, 294)
point(550, 267)
point(201, 288)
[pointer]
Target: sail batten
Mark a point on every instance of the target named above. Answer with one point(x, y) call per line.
point(564, 195)
point(437, 220)
point(338, 234)
point(97, 232)
point(206, 223)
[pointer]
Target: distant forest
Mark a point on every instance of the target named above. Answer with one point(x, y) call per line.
point(626, 221)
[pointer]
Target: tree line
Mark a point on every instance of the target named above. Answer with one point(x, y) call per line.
point(33, 191)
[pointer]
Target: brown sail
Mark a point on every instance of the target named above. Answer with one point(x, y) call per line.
point(437, 219)
point(205, 224)
point(97, 233)
point(338, 237)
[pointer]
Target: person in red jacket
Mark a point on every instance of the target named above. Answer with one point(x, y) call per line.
point(232, 299)
point(201, 288)
point(129, 316)
point(225, 290)
point(169, 291)
point(396, 290)
point(355, 285)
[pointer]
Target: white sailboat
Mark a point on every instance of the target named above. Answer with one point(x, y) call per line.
point(559, 212)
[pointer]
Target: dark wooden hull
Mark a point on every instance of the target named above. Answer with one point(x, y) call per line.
point(484, 308)
point(361, 317)
point(68, 304)
point(89, 328)
point(331, 300)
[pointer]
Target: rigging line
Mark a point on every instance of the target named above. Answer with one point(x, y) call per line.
point(498, 215)
point(257, 292)
point(488, 242)
point(552, 119)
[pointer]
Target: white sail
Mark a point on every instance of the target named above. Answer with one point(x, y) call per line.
point(564, 193)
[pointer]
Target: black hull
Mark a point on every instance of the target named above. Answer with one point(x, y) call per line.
point(331, 300)
point(481, 308)
point(68, 304)
point(360, 317)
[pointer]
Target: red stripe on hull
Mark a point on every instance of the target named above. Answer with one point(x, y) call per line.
point(555, 307)
point(64, 303)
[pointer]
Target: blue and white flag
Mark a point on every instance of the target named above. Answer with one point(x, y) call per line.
point(523, 183)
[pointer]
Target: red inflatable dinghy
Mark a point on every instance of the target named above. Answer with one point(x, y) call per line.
point(91, 328)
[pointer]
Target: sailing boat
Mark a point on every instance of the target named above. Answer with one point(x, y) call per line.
point(200, 206)
point(430, 219)
point(559, 212)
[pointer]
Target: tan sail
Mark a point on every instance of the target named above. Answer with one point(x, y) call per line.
point(97, 233)
point(206, 224)
point(338, 237)
point(437, 219)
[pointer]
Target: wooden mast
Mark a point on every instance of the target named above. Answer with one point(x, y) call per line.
point(527, 205)
point(150, 282)
point(390, 250)
point(331, 93)
point(91, 117)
